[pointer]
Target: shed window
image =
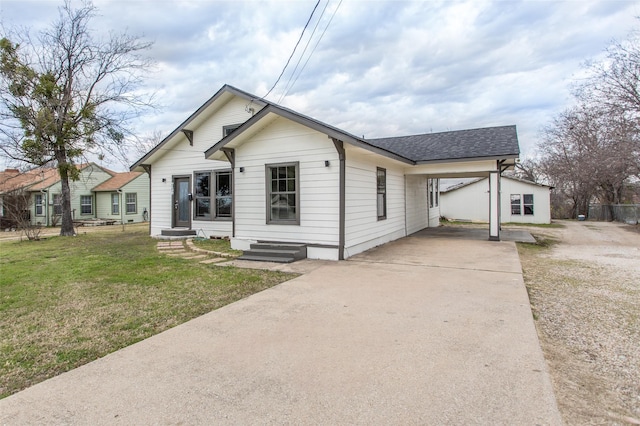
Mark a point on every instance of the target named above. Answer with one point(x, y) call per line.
point(86, 204)
point(381, 199)
point(527, 203)
point(515, 204)
point(283, 194)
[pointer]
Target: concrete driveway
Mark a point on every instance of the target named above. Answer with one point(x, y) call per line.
point(418, 331)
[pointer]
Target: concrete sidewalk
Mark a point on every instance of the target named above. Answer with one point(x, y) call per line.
point(418, 331)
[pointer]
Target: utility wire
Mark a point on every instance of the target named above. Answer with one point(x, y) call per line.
point(306, 46)
point(313, 50)
point(294, 49)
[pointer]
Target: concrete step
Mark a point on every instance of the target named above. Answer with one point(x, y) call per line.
point(266, 258)
point(178, 232)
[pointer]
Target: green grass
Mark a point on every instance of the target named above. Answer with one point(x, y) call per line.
point(217, 245)
point(65, 301)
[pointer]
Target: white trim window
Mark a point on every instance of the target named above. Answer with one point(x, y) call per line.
point(38, 202)
point(283, 193)
point(131, 201)
point(115, 203)
point(86, 204)
point(381, 196)
point(434, 192)
point(57, 204)
point(522, 204)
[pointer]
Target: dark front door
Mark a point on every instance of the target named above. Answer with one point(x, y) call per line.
point(181, 202)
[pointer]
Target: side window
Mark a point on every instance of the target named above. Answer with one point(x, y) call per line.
point(131, 199)
point(115, 203)
point(283, 193)
point(86, 204)
point(223, 193)
point(515, 204)
point(38, 203)
point(527, 203)
point(57, 204)
point(202, 195)
point(381, 199)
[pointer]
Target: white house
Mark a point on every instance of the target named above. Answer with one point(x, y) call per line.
point(521, 201)
point(254, 171)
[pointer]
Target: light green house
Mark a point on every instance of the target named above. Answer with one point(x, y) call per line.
point(124, 198)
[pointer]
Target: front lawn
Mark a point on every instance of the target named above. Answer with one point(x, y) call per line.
point(65, 301)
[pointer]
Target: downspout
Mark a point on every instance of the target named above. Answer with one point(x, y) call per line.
point(342, 215)
point(231, 156)
point(147, 169)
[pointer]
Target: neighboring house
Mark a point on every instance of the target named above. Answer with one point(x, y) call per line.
point(521, 201)
point(45, 187)
point(254, 171)
point(124, 197)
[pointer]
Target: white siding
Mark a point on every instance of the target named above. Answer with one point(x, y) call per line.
point(471, 202)
point(417, 203)
point(363, 229)
point(184, 160)
point(284, 141)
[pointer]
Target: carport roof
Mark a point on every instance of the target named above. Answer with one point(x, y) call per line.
point(486, 142)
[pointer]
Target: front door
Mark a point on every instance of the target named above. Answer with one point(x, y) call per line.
point(181, 202)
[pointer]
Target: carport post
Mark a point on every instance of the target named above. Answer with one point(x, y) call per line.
point(494, 205)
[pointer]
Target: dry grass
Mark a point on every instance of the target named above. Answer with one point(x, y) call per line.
point(587, 316)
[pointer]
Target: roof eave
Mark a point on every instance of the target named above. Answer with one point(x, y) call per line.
point(467, 159)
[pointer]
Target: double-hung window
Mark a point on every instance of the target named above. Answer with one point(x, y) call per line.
point(220, 196)
point(521, 204)
point(86, 204)
point(381, 199)
point(57, 204)
point(434, 192)
point(38, 205)
point(283, 193)
point(527, 204)
point(115, 204)
point(131, 200)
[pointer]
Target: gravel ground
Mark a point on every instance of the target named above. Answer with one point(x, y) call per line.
point(585, 296)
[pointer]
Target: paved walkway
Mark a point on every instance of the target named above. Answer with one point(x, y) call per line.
point(418, 331)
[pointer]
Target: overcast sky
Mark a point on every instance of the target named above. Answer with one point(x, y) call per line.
point(382, 68)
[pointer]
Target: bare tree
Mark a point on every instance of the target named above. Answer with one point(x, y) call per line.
point(68, 94)
point(17, 208)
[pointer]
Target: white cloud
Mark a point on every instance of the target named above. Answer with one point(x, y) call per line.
point(382, 68)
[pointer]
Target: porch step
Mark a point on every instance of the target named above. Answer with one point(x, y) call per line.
point(275, 252)
point(178, 232)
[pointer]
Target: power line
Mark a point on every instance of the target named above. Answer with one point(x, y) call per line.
point(286, 87)
point(294, 49)
point(312, 51)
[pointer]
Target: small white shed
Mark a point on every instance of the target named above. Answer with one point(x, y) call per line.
point(521, 201)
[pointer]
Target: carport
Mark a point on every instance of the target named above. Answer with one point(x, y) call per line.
point(486, 152)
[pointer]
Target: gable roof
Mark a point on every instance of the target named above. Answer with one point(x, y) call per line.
point(333, 132)
point(465, 184)
point(117, 181)
point(38, 178)
point(486, 143)
point(219, 95)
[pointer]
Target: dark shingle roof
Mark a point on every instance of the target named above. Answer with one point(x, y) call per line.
point(456, 145)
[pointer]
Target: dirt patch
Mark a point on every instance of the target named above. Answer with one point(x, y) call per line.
point(585, 296)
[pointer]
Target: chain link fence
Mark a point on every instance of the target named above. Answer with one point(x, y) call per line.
point(627, 213)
